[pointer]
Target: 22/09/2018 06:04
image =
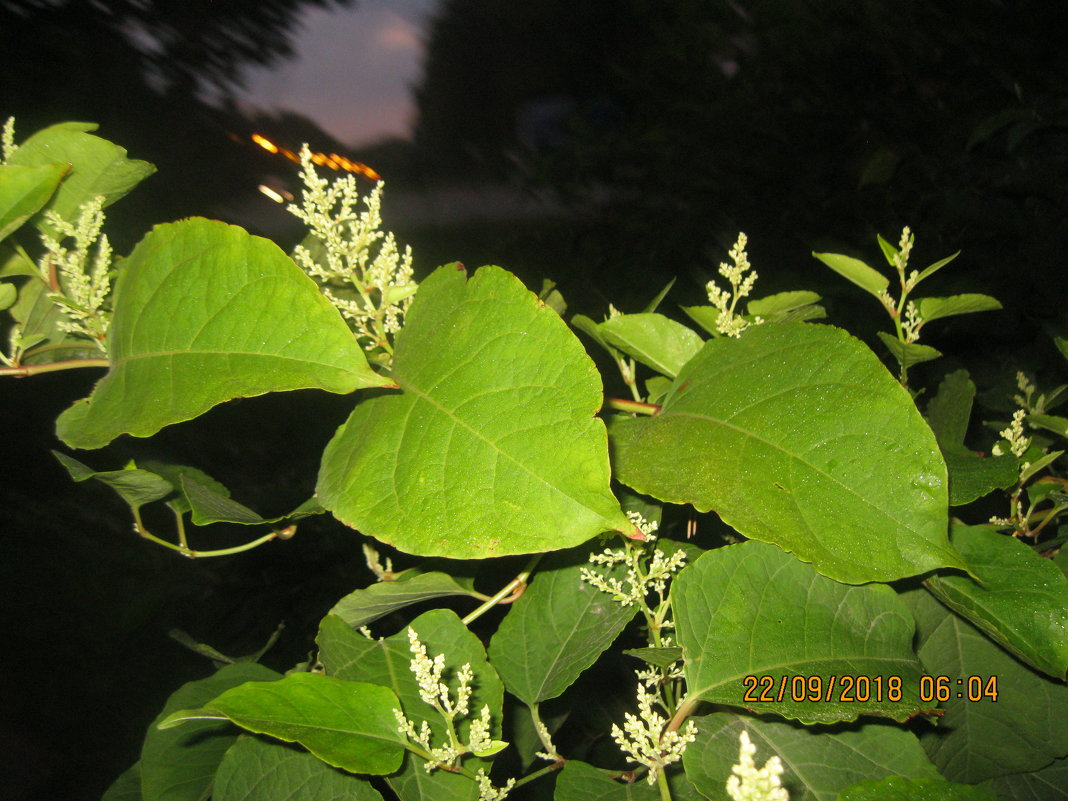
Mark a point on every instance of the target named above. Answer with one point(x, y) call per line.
point(863, 689)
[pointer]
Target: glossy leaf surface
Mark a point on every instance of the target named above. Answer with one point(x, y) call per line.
point(896, 788)
point(1019, 598)
point(867, 278)
point(492, 448)
point(653, 339)
point(347, 724)
point(796, 434)
point(753, 610)
point(252, 322)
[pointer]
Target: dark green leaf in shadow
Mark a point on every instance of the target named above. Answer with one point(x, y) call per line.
point(361, 607)
point(752, 610)
point(818, 761)
point(180, 764)
point(557, 628)
point(1019, 598)
point(897, 788)
point(260, 770)
point(1023, 730)
point(579, 781)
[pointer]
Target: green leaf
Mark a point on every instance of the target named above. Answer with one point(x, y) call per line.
point(1050, 422)
point(970, 475)
point(818, 762)
point(252, 322)
point(1018, 598)
point(136, 487)
point(653, 339)
point(180, 764)
point(387, 662)
point(933, 308)
point(347, 654)
point(655, 302)
point(796, 434)
point(127, 787)
point(774, 308)
point(99, 167)
point(889, 250)
point(361, 607)
point(659, 657)
point(704, 316)
point(907, 353)
point(492, 448)
point(347, 724)
point(260, 770)
point(896, 788)
point(24, 191)
point(1048, 784)
point(592, 329)
point(579, 781)
point(40, 319)
point(751, 610)
point(931, 269)
point(1023, 730)
point(867, 278)
point(557, 628)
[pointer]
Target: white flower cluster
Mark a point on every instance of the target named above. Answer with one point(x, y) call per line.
point(749, 784)
point(638, 582)
point(486, 790)
point(435, 692)
point(1014, 435)
point(741, 280)
point(7, 140)
point(362, 271)
point(80, 281)
point(643, 736)
point(901, 259)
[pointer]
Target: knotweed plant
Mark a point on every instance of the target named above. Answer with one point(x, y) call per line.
point(1036, 501)
point(748, 783)
point(452, 707)
point(741, 277)
point(647, 738)
point(359, 266)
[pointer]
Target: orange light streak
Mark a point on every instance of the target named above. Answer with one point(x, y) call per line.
point(333, 160)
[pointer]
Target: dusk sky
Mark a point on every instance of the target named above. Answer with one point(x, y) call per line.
point(353, 69)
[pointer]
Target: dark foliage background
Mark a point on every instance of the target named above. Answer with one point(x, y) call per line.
point(661, 129)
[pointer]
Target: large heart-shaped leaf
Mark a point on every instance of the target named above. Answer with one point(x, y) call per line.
point(347, 724)
point(796, 434)
point(205, 312)
point(1020, 599)
point(763, 631)
point(493, 447)
point(653, 339)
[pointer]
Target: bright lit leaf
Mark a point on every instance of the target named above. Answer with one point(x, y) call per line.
point(492, 447)
point(251, 322)
point(796, 434)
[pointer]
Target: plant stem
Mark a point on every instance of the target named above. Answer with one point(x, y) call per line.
point(662, 785)
point(192, 554)
point(508, 589)
point(637, 407)
point(33, 369)
point(539, 773)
